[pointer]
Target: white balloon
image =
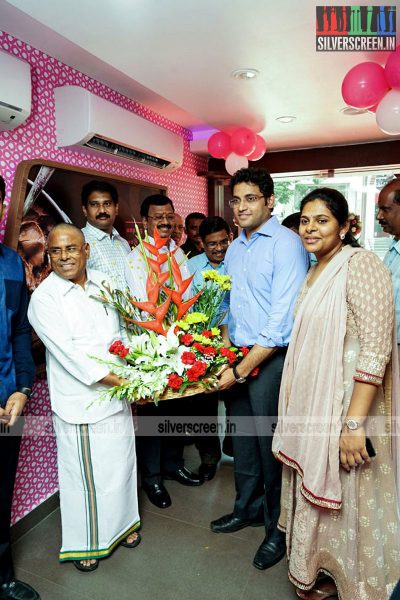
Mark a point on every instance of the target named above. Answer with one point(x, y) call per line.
point(388, 113)
point(234, 162)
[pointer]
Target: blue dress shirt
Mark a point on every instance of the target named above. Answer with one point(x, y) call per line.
point(392, 261)
point(267, 271)
point(200, 263)
point(16, 365)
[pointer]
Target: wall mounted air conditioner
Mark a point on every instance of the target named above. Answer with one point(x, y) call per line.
point(15, 91)
point(86, 120)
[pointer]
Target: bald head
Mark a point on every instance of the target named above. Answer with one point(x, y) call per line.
point(68, 252)
point(65, 228)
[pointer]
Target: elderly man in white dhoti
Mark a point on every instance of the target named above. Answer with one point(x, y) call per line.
point(95, 439)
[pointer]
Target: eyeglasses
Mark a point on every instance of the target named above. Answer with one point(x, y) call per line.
point(214, 245)
point(69, 250)
point(159, 218)
point(250, 199)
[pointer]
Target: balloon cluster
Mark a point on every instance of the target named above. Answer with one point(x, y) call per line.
point(368, 85)
point(237, 148)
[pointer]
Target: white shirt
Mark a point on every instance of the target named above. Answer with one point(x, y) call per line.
point(108, 254)
point(137, 271)
point(74, 327)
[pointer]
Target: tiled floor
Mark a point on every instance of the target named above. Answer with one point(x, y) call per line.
point(179, 557)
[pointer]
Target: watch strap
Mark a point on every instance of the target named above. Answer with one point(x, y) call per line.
point(24, 390)
point(238, 378)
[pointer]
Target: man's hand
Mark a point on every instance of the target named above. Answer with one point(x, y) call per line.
point(13, 409)
point(113, 380)
point(226, 380)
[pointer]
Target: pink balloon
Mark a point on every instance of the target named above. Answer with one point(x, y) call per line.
point(259, 150)
point(392, 69)
point(364, 85)
point(234, 162)
point(243, 141)
point(388, 113)
point(219, 144)
point(372, 109)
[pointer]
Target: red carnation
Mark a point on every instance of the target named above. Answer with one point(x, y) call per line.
point(200, 366)
point(244, 350)
point(209, 351)
point(255, 372)
point(229, 354)
point(207, 334)
point(192, 374)
point(188, 358)
point(186, 339)
point(115, 347)
point(174, 381)
point(123, 352)
point(195, 372)
point(199, 347)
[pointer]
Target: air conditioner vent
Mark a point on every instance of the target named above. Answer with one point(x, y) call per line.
point(84, 119)
point(98, 143)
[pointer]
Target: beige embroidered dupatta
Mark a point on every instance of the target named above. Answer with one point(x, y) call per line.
point(311, 396)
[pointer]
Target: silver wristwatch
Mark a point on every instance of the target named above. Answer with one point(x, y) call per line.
point(238, 378)
point(352, 424)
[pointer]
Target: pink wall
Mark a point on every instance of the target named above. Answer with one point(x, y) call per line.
point(37, 476)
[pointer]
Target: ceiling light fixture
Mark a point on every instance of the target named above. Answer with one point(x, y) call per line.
point(286, 119)
point(245, 74)
point(351, 111)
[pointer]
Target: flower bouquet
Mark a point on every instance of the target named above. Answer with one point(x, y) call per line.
point(355, 224)
point(170, 352)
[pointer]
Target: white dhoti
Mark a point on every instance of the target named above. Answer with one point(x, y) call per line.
point(98, 485)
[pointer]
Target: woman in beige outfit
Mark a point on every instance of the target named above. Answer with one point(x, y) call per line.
point(339, 505)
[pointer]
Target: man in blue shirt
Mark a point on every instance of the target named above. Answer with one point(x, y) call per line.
point(388, 216)
point(214, 233)
point(267, 264)
point(16, 376)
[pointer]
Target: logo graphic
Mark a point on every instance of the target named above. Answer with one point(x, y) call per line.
point(355, 28)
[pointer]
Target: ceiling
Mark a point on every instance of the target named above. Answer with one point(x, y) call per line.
point(176, 56)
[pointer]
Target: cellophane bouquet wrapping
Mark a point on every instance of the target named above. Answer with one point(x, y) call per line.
point(174, 345)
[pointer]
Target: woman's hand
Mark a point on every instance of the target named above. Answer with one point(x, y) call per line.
point(352, 450)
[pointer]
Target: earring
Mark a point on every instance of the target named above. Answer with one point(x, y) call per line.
point(342, 236)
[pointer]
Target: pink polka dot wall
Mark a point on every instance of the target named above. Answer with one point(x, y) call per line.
point(37, 470)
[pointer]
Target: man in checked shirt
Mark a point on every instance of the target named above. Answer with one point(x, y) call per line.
point(108, 249)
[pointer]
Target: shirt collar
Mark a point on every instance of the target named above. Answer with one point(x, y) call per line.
point(395, 244)
point(268, 229)
point(204, 262)
point(65, 285)
point(99, 234)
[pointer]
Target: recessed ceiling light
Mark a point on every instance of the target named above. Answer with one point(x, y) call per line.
point(286, 119)
point(245, 74)
point(350, 110)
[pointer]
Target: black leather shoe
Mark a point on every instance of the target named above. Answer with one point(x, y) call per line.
point(18, 590)
point(157, 494)
point(271, 551)
point(185, 477)
point(207, 472)
point(230, 523)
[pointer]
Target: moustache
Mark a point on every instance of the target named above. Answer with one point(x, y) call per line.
point(164, 226)
point(382, 223)
point(101, 215)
